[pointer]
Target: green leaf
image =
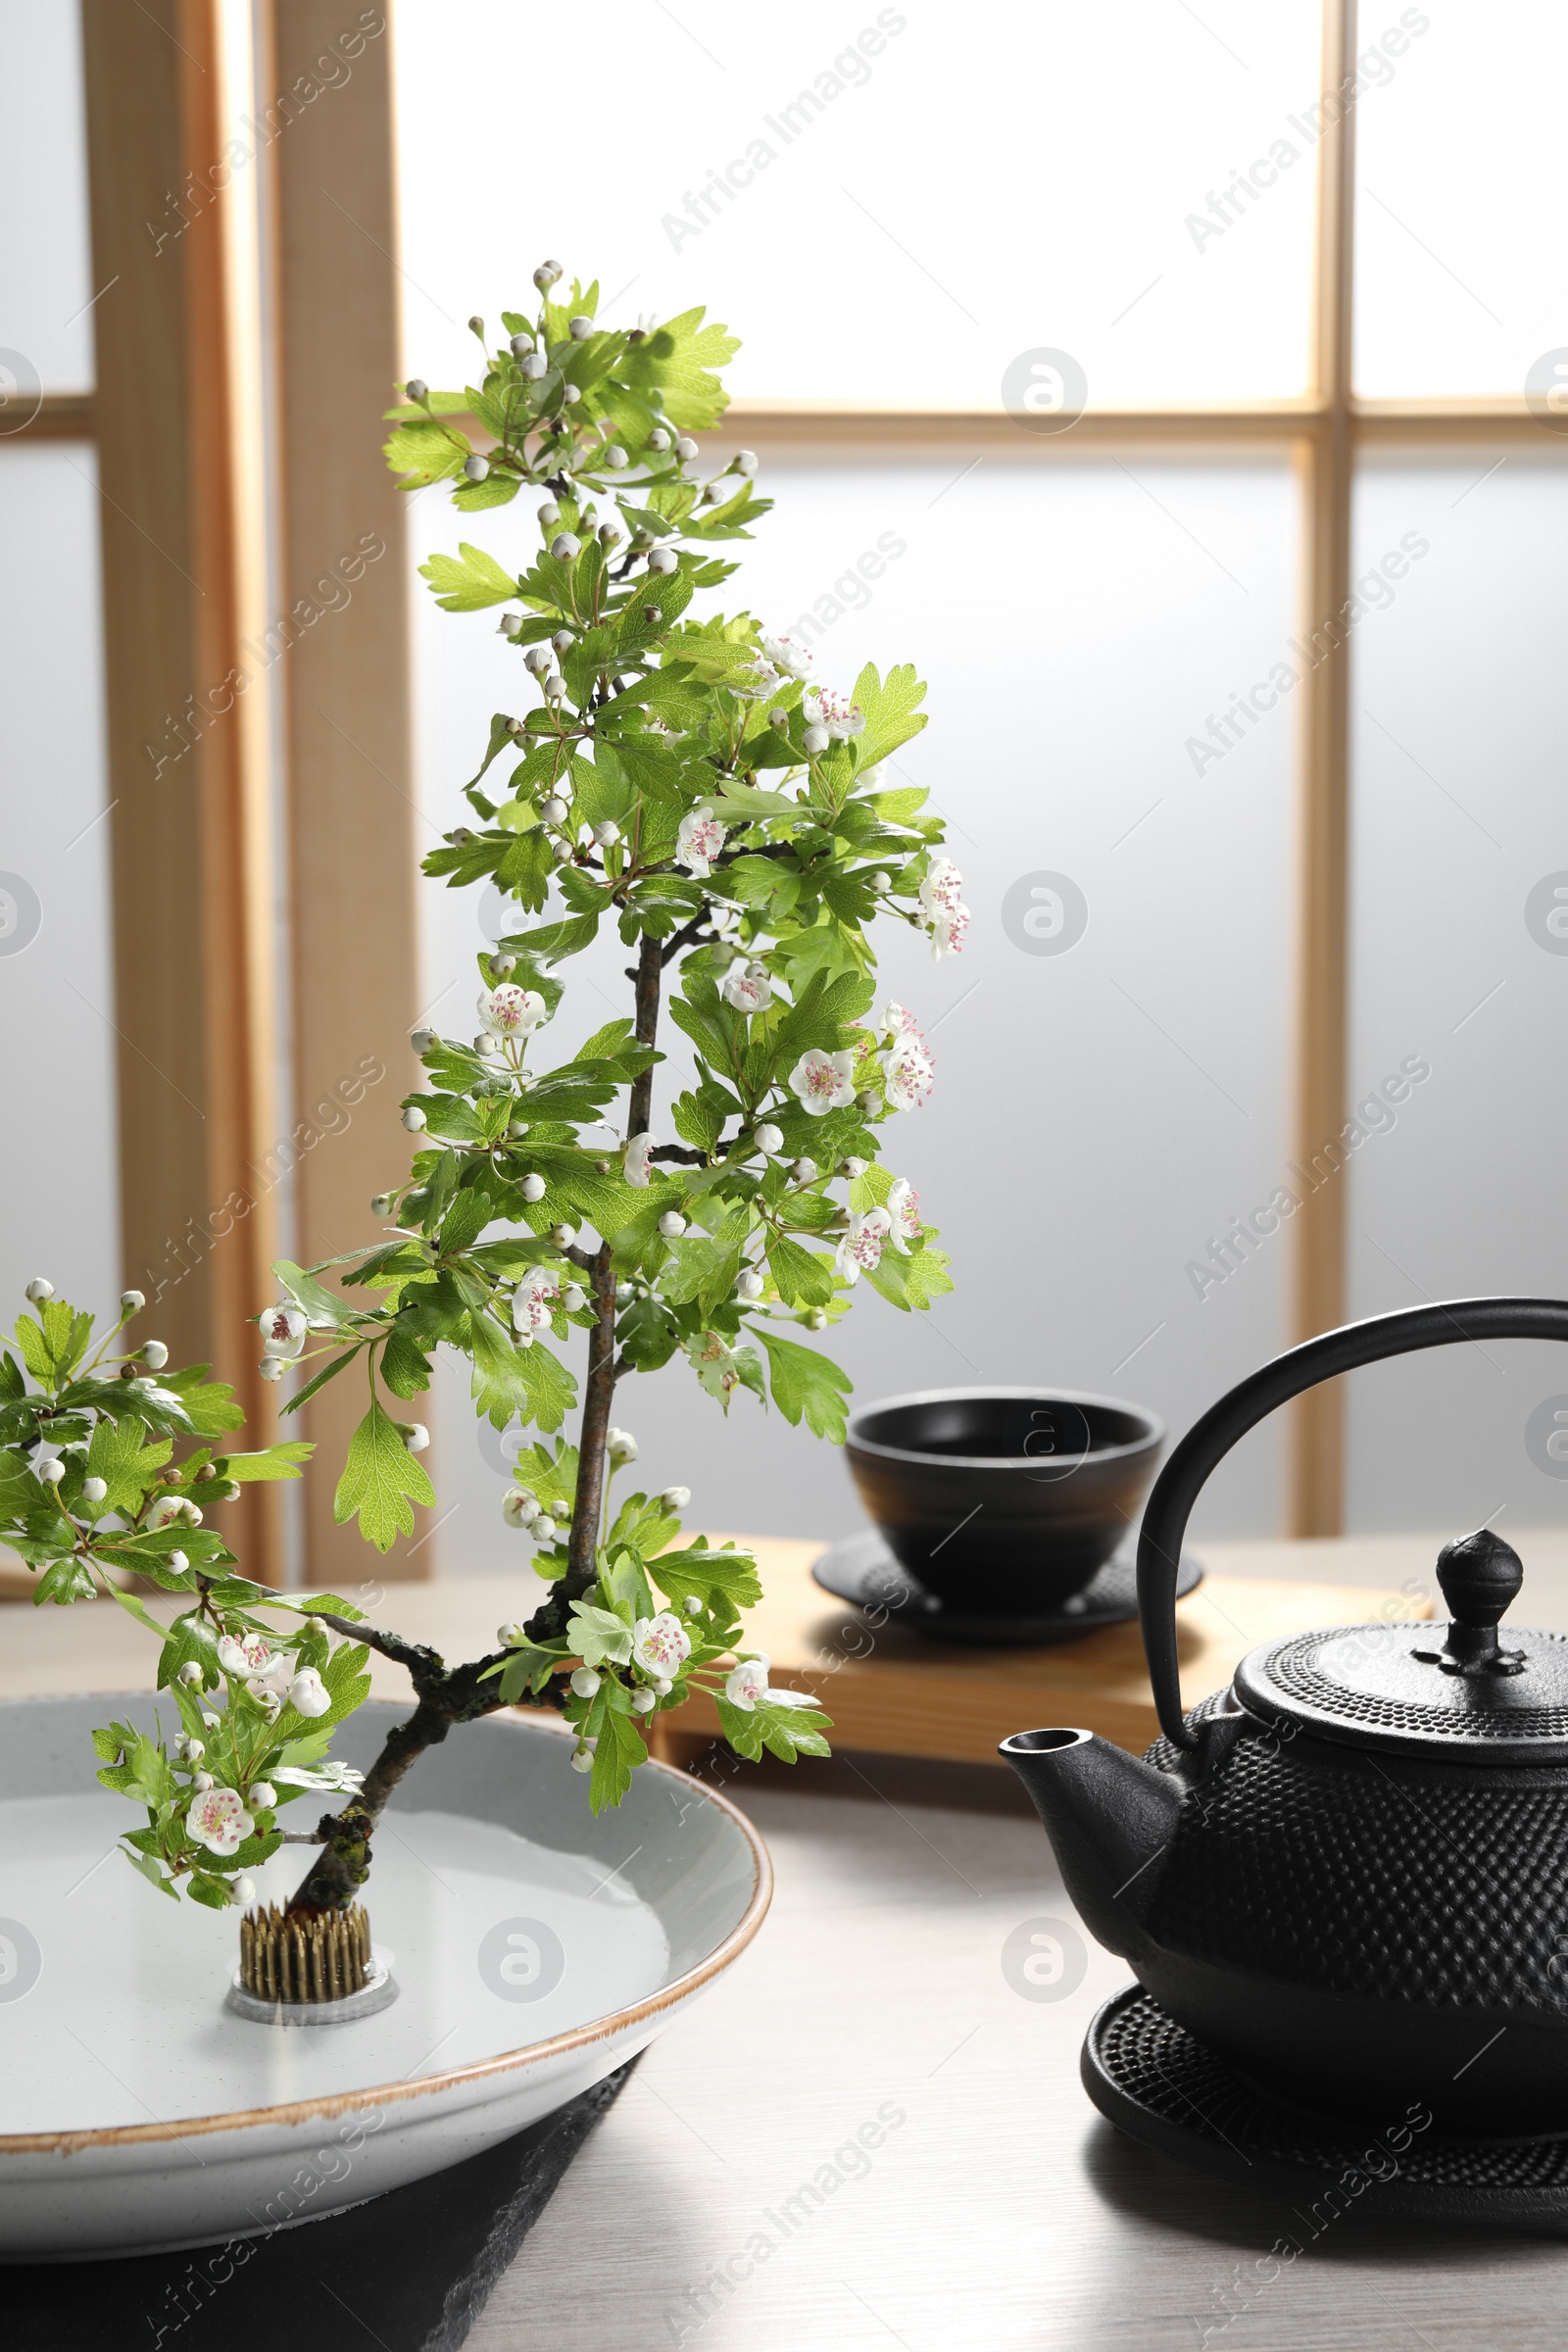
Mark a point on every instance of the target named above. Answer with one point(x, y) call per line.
point(469, 580)
point(64, 1582)
point(422, 453)
point(273, 1462)
point(677, 359)
point(381, 1481)
point(314, 1297)
point(913, 1281)
point(891, 712)
point(617, 1756)
point(803, 1278)
point(805, 1382)
point(151, 1871)
point(596, 1635)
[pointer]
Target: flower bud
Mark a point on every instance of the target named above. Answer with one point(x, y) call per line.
point(549, 513)
point(271, 1367)
point(416, 389)
point(778, 718)
point(39, 1291)
point(563, 640)
point(768, 1138)
point(93, 1490)
point(521, 345)
point(543, 1531)
point(200, 1781)
point(509, 624)
point(413, 1119)
point(545, 277)
point(607, 835)
point(178, 1562)
point(686, 449)
point(663, 559)
point(563, 1235)
point(564, 547)
point(746, 462)
point(131, 1303)
point(155, 1355)
point(585, 1681)
point(574, 1297)
point(608, 536)
point(416, 1436)
point(262, 1794)
point(519, 1508)
point(659, 439)
point(580, 327)
point(750, 1284)
point(51, 1470)
point(671, 1226)
point(308, 1694)
point(620, 1445)
point(476, 325)
point(243, 1888)
point(581, 1760)
point(421, 1040)
point(534, 365)
point(477, 468)
point(502, 967)
point(190, 1672)
point(675, 1499)
point(643, 1702)
point(510, 1635)
point(614, 457)
point(554, 809)
point(815, 740)
point(804, 1171)
point(714, 493)
point(816, 1320)
point(561, 852)
point(381, 1205)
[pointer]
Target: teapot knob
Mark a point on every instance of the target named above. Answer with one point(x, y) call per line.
point(1479, 1576)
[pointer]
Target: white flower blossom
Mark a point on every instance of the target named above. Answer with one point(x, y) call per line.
point(897, 1020)
point(219, 1821)
point(661, 1644)
point(908, 1074)
point(699, 842)
point(822, 1082)
point(747, 1683)
point(859, 1250)
point(748, 988)
point(795, 661)
point(637, 1156)
point(283, 1332)
point(534, 1302)
point(509, 1010)
point(758, 680)
point(903, 1205)
point(946, 917)
point(825, 707)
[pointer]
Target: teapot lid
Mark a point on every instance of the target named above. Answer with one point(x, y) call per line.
point(1401, 1687)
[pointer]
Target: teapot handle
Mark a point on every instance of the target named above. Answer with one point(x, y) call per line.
point(1209, 1440)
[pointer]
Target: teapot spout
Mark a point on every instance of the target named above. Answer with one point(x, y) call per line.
point(1108, 1816)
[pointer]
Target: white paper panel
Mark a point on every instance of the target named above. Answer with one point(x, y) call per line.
point(58, 1157)
point(887, 204)
point(45, 287)
point(1460, 846)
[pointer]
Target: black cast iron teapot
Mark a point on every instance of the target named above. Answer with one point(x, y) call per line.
point(1348, 1874)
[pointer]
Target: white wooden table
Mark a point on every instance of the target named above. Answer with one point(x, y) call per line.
point(729, 2199)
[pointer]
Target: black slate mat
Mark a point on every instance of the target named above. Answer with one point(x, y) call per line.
point(409, 2271)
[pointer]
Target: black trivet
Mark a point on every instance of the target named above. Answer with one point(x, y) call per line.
point(409, 2271)
point(863, 1570)
point(1159, 2084)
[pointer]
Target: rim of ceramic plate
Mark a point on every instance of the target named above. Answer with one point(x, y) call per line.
point(535, 2053)
point(856, 1441)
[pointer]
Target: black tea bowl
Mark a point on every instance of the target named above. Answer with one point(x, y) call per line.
point(1003, 1501)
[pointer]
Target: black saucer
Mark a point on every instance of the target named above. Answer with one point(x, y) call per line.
point(863, 1570)
point(1158, 2084)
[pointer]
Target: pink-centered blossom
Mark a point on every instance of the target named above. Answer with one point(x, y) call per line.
point(786, 655)
point(859, 1250)
point(908, 1074)
point(748, 987)
point(946, 916)
point(509, 1010)
point(699, 842)
point(903, 1205)
point(746, 1683)
point(660, 1645)
point(534, 1302)
point(822, 1082)
point(283, 1332)
point(825, 707)
point(758, 680)
point(637, 1156)
point(897, 1020)
point(218, 1820)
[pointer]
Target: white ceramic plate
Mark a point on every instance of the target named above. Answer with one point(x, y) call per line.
point(536, 1949)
